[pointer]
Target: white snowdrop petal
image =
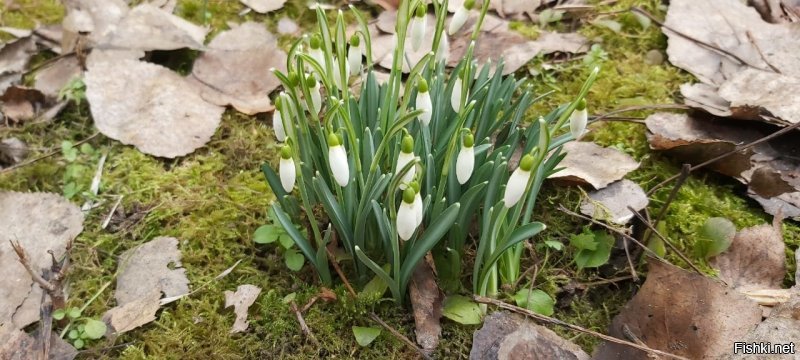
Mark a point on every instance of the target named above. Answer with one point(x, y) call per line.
point(465, 164)
point(455, 97)
point(516, 187)
point(577, 122)
point(316, 98)
point(317, 55)
point(458, 20)
point(417, 204)
point(406, 220)
point(418, 25)
point(339, 166)
point(288, 174)
point(443, 52)
point(277, 125)
point(354, 60)
point(424, 103)
point(402, 160)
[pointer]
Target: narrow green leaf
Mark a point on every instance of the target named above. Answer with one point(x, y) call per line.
point(432, 235)
point(298, 238)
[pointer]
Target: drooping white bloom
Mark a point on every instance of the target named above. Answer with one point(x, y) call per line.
point(424, 102)
point(418, 25)
point(418, 208)
point(578, 120)
point(518, 181)
point(354, 55)
point(443, 52)
point(465, 162)
point(460, 17)
point(337, 159)
point(455, 96)
point(406, 215)
point(315, 50)
point(277, 120)
point(316, 96)
point(406, 156)
point(287, 169)
point(337, 78)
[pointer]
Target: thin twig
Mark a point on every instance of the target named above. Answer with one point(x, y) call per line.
point(340, 272)
point(31, 161)
point(303, 325)
point(26, 263)
point(639, 108)
point(696, 40)
point(111, 213)
point(664, 239)
point(630, 262)
point(758, 49)
point(729, 153)
point(605, 281)
point(549, 320)
point(684, 174)
point(398, 335)
point(610, 228)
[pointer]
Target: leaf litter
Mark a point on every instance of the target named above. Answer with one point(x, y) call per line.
point(426, 301)
point(40, 222)
point(589, 163)
point(508, 336)
point(241, 300)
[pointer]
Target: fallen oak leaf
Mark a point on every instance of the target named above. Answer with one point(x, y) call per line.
point(684, 313)
point(150, 107)
point(236, 69)
point(508, 336)
point(147, 27)
point(147, 267)
point(133, 314)
point(611, 203)
point(241, 300)
point(589, 163)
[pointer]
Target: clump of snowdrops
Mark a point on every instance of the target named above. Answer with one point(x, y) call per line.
point(409, 165)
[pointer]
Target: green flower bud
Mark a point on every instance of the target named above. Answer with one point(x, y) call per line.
point(311, 81)
point(469, 140)
point(526, 163)
point(278, 103)
point(355, 40)
point(407, 146)
point(294, 79)
point(333, 140)
point(414, 185)
point(408, 195)
point(315, 41)
point(581, 105)
point(422, 85)
point(421, 10)
point(286, 152)
point(469, 4)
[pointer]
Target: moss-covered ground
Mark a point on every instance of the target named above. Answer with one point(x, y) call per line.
point(215, 198)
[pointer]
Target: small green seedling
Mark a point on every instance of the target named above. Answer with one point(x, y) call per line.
point(593, 248)
point(87, 328)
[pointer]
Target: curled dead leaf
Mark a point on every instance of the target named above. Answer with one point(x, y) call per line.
point(755, 259)
point(589, 163)
point(611, 203)
point(426, 300)
point(508, 336)
point(241, 300)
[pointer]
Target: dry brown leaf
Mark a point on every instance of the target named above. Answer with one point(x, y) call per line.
point(508, 336)
point(14, 58)
point(12, 151)
point(755, 259)
point(236, 68)
point(39, 222)
point(241, 300)
point(764, 58)
point(135, 313)
point(97, 17)
point(53, 77)
point(150, 107)
point(426, 300)
point(588, 163)
point(611, 203)
point(770, 170)
point(152, 265)
point(682, 313)
point(264, 6)
point(147, 28)
point(287, 26)
point(22, 346)
point(515, 9)
point(20, 103)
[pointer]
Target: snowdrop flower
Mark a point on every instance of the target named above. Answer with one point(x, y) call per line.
point(417, 202)
point(313, 88)
point(406, 215)
point(455, 96)
point(460, 17)
point(578, 120)
point(315, 50)
point(406, 156)
point(424, 102)
point(518, 181)
point(418, 25)
point(277, 119)
point(443, 52)
point(354, 55)
point(466, 159)
point(286, 168)
point(337, 159)
point(337, 78)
